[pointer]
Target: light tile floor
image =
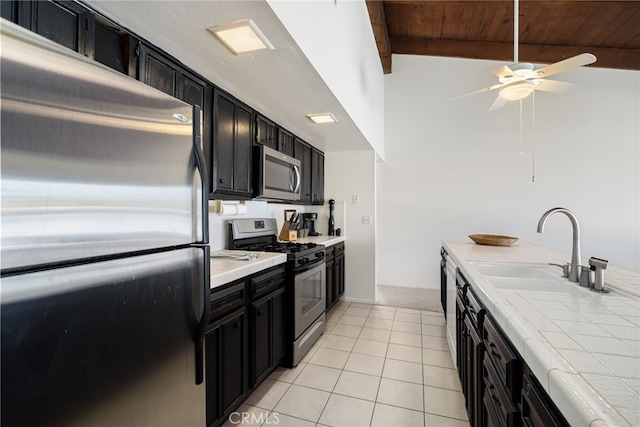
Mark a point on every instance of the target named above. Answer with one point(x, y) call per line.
point(374, 366)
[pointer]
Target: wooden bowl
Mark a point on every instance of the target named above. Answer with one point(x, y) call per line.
point(493, 239)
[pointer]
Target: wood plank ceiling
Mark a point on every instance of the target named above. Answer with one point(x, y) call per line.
point(549, 30)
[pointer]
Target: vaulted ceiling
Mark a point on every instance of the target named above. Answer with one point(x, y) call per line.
point(549, 31)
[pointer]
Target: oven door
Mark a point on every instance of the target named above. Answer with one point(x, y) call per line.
point(309, 296)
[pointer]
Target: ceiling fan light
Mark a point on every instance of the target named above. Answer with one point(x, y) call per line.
point(516, 91)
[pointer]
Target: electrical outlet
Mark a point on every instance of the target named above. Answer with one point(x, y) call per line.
point(355, 199)
point(367, 220)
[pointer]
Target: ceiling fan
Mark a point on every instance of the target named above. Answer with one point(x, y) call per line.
point(519, 80)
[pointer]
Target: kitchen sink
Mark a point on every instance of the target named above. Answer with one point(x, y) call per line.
point(525, 276)
point(540, 285)
point(518, 270)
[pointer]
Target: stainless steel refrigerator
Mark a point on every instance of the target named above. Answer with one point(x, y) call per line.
point(104, 253)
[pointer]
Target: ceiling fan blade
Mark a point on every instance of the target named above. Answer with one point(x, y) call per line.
point(484, 89)
point(555, 86)
point(497, 104)
point(566, 64)
point(501, 71)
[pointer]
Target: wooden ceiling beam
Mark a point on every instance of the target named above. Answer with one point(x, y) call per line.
point(560, 4)
point(626, 59)
point(379, 25)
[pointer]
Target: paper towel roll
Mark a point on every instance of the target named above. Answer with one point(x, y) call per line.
point(230, 209)
point(227, 210)
point(241, 209)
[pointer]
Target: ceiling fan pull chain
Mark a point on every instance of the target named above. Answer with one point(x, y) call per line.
point(533, 141)
point(521, 143)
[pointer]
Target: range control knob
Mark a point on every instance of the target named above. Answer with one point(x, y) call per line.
point(319, 254)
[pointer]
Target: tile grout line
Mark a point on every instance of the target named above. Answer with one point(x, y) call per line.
point(375, 402)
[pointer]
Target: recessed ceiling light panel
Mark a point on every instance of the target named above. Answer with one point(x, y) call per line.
point(241, 36)
point(322, 118)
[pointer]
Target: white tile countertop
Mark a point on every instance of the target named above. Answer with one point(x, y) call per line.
point(583, 346)
point(226, 270)
point(321, 240)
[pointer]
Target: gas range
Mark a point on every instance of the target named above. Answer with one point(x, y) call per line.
point(305, 289)
point(260, 235)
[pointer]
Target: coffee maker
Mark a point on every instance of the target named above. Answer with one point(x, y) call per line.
point(310, 223)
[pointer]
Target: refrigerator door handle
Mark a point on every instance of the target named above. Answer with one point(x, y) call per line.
point(204, 317)
point(201, 164)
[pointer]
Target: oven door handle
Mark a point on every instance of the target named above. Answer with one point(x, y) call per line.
point(310, 266)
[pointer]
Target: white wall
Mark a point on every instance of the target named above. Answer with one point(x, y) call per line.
point(348, 174)
point(337, 39)
point(453, 168)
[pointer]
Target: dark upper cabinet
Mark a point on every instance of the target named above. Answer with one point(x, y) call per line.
point(165, 74)
point(232, 147)
point(302, 152)
point(317, 177)
point(285, 142)
point(65, 22)
point(115, 48)
point(157, 71)
point(229, 127)
point(266, 132)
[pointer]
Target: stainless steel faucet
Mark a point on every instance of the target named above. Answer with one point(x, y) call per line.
point(574, 267)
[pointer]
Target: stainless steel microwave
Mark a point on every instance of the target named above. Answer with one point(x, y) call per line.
point(277, 176)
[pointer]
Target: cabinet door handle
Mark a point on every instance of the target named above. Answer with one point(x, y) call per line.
point(221, 180)
point(258, 313)
point(236, 325)
point(492, 346)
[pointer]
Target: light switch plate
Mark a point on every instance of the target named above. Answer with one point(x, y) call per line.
point(367, 220)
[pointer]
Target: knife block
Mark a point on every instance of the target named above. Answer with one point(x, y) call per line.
point(287, 234)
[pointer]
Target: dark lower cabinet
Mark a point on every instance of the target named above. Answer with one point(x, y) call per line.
point(499, 389)
point(226, 352)
point(443, 282)
point(461, 334)
point(267, 321)
point(474, 356)
point(537, 408)
point(335, 275)
point(244, 341)
point(329, 278)
point(212, 374)
point(233, 351)
point(226, 376)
